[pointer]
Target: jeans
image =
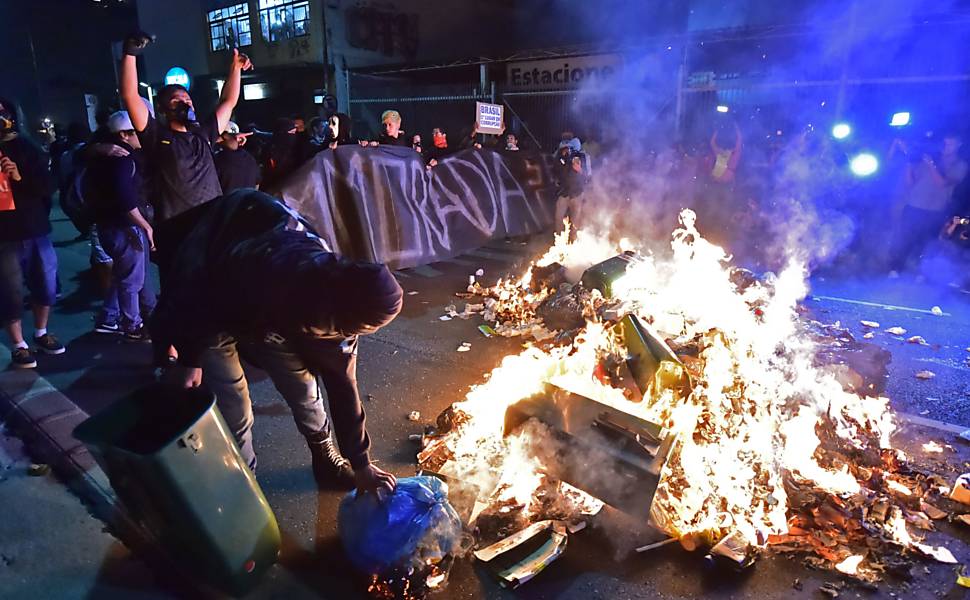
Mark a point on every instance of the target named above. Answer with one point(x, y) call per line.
point(223, 374)
point(33, 260)
point(131, 287)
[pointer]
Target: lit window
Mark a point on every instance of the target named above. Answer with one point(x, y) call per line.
point(284, 19)
point(256, 91)
point(229, 27)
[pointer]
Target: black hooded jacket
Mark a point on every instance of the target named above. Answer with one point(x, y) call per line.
point(247, 265)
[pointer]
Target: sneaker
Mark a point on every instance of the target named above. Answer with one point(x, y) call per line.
point(48, 344)
point(22, 358)
point(138, 334)
point(106, 327)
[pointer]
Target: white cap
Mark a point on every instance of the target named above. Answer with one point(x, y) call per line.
point(232, 128)
point(120, 121)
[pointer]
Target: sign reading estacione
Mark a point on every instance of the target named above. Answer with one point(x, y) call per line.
point(562, 73)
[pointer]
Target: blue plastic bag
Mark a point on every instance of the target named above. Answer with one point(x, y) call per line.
point(414, 525)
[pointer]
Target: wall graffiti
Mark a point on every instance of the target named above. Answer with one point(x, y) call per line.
point(382, 204)
point(391, 33)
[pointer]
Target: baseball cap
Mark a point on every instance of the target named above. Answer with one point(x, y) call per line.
point(231, 128)
point(120, 121)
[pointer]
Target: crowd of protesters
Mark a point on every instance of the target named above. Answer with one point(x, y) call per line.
point(180, 190)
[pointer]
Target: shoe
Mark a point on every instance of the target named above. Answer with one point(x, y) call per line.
point(22, 358)
point(105, 327)
point(329, 468)
point(48, 344)
point(138, 334)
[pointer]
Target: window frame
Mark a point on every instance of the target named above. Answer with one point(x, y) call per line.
point(281, 9)
point(221, 21)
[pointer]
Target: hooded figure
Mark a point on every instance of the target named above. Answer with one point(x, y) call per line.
point(249, 275)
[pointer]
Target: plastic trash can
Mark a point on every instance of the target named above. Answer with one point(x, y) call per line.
point(174, 464)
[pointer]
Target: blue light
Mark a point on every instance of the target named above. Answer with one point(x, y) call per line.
point(864, 164)
point(841, 131)
point(721, 108)
point(900, 119)
point(179, 76)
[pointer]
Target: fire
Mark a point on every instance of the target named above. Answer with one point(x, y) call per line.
point(751, 421)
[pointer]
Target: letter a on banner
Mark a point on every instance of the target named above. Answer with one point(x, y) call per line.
point(489, 117)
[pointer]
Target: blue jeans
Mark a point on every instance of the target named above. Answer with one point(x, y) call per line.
point(33, 261)
point(131, 287)
point(222, 373)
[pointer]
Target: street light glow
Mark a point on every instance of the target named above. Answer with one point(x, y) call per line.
point(841, 131)
point(864, 164)
point(900, 119)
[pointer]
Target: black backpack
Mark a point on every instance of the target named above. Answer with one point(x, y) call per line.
point(73, 205)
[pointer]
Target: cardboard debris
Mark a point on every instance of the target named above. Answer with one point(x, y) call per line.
point(870, 324)
point(931, 511)
point(533, 564)
point(925, 375)
point(936, 310)
point(917, 339)
point(896, 331)
point(965, 519)
point(961, 489)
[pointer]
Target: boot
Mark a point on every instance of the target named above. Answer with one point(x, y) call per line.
point(330, 469)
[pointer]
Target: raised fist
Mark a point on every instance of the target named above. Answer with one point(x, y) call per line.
point(136, 43)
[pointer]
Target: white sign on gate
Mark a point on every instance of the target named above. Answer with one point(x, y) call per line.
point(489, 117)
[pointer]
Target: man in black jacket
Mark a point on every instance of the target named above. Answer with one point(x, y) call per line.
point(249, 277)
point(26, 186)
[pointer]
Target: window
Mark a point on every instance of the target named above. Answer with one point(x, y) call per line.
point(229, 27)
point(283, 19)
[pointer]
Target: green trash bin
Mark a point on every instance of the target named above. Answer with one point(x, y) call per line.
point(174, 464)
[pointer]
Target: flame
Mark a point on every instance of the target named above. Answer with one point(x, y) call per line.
point(750, 421)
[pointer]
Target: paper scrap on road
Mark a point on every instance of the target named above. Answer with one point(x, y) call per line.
point(870, 324)
point(444, 318)
point(925, 375)
point(932, 448)
point(868, 336)
point(896, 331)
point(414, 416)
point(917, 339)
point(412, 293)
point(936, 310)
point(465, 347)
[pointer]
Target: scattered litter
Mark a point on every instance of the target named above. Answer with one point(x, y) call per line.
point(925, 375)
point(797, 584)
point(896, 331)
point(931, 511)
point(830, 589)
point(917, 339)
point(444, 318)
point(414, 416)
point(932, 447)
point(870, 324)
point(486, 330)
point(412, 293)
point(937, 553)
point(924, 412)
point(416, 437)
point(936, 310)
point(850, 565)
point(962, 579)
point(465, 347)
point(965, 519)
point(480, 272)
point(471, 280)
point(964, 435)
point(869, 336)
point(530, 566)
point(961, 489)
point(370, 397)
point(38, 470)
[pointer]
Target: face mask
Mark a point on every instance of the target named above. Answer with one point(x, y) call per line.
point(440, 140)
point(8, 121)
point(334, 123)
point(182, 113)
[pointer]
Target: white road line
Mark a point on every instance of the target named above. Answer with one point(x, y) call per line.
point(948, 427)
point(878, 305)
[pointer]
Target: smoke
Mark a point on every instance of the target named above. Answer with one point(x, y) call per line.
point(793, 197)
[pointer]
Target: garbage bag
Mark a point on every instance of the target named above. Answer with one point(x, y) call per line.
point(415, 525)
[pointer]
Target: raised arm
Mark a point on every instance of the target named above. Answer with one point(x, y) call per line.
point(134, 45)
point(230, 91)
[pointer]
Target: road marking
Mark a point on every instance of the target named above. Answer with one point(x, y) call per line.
point(918, 420)
point(425, 271)
point(878, 305)
point(480, 253)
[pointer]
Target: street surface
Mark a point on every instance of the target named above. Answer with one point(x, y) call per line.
point(413, 365)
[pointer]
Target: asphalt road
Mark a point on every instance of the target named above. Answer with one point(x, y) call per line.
point(413, 365)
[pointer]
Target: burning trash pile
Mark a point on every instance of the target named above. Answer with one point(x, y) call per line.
point(693, 395)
